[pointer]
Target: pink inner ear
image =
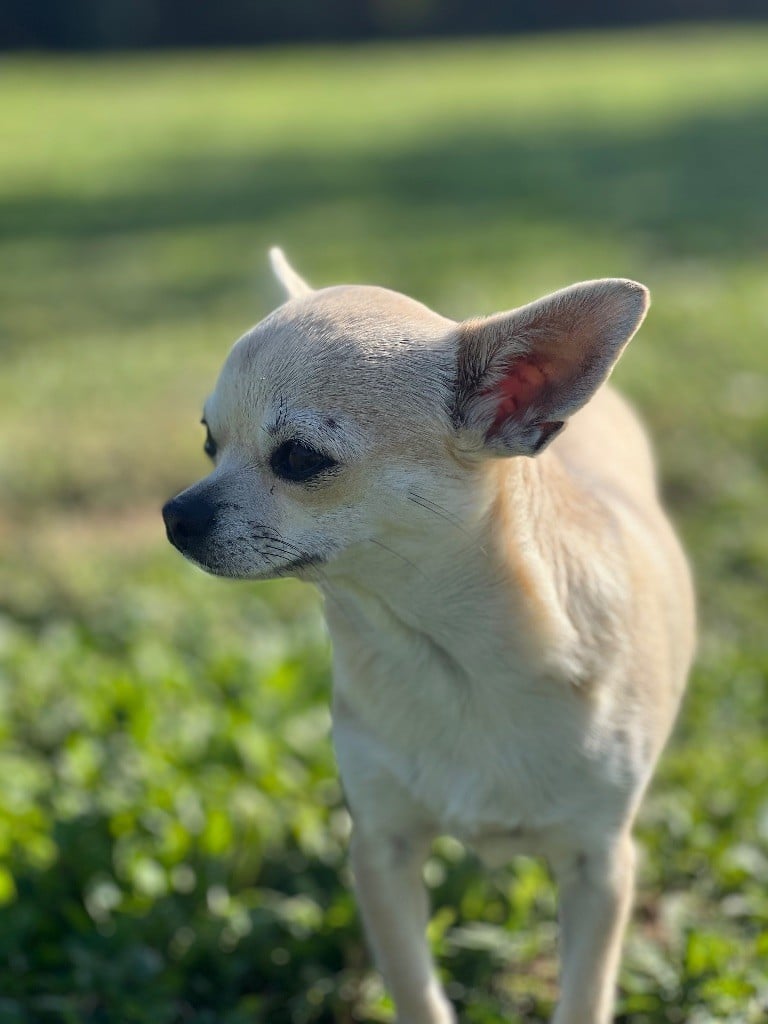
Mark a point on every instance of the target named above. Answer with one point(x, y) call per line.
point(523, 382)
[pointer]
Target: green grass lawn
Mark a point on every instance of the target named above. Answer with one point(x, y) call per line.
point(171, 829)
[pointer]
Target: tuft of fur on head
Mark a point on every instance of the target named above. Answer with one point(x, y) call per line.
point(294, 285)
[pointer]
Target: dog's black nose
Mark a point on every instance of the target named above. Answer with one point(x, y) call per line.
point(187, 519)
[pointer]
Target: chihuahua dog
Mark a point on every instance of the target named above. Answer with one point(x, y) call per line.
point(510, 610)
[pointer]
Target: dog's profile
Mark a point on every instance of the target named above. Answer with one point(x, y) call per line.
point(510, 610)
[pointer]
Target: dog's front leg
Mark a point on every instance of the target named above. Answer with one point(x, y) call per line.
point(596, 890)
point(394, 906)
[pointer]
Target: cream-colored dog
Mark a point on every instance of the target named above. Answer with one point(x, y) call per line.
point(512, 619)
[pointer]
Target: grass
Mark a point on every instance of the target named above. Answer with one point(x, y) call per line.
point(171, 828)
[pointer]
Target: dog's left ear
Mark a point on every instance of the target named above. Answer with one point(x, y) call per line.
point(521, 374)
point(294, 285)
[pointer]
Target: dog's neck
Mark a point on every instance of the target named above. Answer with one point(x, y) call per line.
point(479, 585)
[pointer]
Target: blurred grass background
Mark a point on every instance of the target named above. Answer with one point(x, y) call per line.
point(171, 828)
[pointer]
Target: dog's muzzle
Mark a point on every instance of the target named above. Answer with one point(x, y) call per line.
point(188, 521)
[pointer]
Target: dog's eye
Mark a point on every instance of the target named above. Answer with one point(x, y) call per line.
point(209, 445)
point(295, 461)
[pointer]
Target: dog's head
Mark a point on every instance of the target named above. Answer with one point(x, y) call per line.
point(351, 411)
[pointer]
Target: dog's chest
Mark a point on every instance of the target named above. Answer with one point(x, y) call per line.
point(497, 748)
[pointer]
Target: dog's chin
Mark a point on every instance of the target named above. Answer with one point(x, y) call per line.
point(301, 568)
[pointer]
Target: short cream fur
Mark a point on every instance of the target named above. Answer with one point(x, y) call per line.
point(511, 612)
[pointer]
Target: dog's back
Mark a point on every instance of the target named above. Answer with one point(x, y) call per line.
point(606, 451)
point(606, 444)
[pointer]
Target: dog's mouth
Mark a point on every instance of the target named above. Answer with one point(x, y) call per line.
point(230, 569)
point(257, 554)
point(300, 563)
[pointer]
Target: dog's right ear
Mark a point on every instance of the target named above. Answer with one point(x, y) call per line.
point(294, 285)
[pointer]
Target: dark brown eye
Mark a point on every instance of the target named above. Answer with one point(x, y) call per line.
point(209, 445)
point(295, 462)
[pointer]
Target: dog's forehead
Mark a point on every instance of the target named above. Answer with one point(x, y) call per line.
point(362, 317)
point(339, 344)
